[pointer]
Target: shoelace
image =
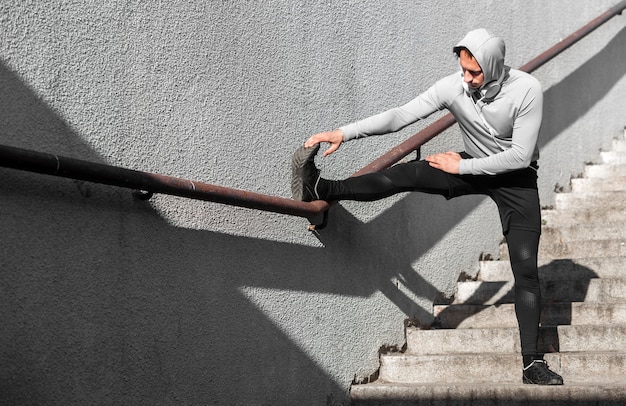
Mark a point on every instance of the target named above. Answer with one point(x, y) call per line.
point(317, 195)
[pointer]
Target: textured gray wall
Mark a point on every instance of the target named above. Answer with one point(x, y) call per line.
point(108, 300)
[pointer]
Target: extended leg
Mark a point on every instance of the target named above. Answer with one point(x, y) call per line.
point(411, 176)
point(406, 177)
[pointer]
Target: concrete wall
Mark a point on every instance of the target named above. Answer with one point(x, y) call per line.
point(109, 300)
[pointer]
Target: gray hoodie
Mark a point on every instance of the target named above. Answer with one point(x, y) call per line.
point(500, 125)
point(489, 52)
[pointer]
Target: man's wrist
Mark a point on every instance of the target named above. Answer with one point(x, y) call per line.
point(465, 166)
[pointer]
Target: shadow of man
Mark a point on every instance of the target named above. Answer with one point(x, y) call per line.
point(565, 285)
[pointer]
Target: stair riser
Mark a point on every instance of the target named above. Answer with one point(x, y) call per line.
point(582, 249)
point(619, 146)
point(592, 200)
point(486, 395)
point(604, 171)
point(577, 290)
point(574, 250)
point(587, 339)
point(500, 368)
point(610, 231)
point(450, 369)
point(613, 158)
point(554, 218)
point(583, 268)
point(598, 185)
point(503, 316)
point(551, 339)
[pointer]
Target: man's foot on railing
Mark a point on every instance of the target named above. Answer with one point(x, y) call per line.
point(304, 174)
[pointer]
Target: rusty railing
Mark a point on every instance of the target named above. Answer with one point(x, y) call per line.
point(145, 184)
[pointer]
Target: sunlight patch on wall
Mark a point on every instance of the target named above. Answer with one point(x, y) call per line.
point(331, 329)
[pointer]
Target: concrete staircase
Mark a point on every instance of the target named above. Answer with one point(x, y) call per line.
point(473, 356)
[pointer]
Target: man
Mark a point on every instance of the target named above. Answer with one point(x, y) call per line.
point(499, 112)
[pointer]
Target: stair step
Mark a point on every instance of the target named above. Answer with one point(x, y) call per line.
point(604, 171)
point(613, 157)
point(593, 200)
point(575, 216)
point(570, 290)
point(593, 231)
point(506, 340)
point(473, 394)
point(580, 268)
point(550, 250)
point(503, 316)
point(582, 249)
point(619, 145)
point(584, 185)
point(494, 367)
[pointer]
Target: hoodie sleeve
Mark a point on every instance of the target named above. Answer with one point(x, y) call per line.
point(434, 99)
point(520, 150)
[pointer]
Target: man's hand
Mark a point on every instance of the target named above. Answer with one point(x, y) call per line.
point(334, 138)
point(447, 162)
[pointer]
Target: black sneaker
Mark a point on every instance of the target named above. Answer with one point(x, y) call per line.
point(304, 174)
point(538, 373)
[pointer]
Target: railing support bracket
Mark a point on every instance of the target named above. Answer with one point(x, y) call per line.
point(315, 225)
point(142, 194)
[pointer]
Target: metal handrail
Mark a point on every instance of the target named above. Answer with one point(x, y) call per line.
point(50, 164)
point(150, 183)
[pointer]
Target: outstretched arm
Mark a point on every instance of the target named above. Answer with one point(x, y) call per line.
point(388, 121)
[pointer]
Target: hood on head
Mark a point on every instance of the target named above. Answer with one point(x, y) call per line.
point(488, 50)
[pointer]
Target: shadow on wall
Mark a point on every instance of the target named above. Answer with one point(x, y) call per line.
point(163, 320)
point(26, 121)
point(575, 95)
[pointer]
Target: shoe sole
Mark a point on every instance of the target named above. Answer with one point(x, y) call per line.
point(527, 381)
point(298, 172)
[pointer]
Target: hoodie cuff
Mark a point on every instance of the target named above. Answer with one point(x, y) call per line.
point(465, 166)
point(349, 132)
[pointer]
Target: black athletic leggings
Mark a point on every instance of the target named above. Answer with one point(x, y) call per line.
point(515, 194)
